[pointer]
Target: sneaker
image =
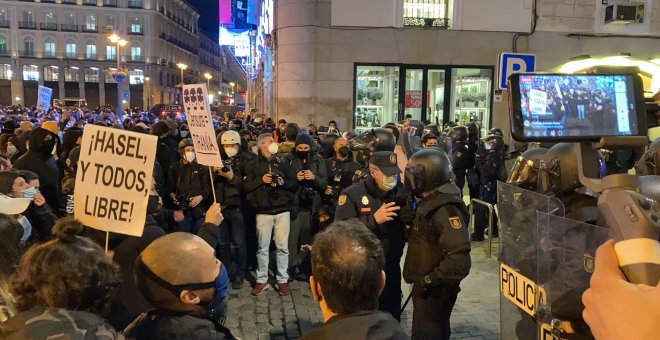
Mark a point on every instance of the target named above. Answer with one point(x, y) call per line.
point(283, 288)
point(237, 284)
point(260, 288)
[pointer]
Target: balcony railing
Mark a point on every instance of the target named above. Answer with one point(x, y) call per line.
point(110, 3)
point(48, 1)
point(69, 27)
point(91, 56)
point(69, 2)
point(90, 28)
point(88, 2)
point(27, 24)
point(50, 55)
point(48, 26)
point(4, 23)
point(137, 59)
point(26, 54)
point(4, 53)
point(135, 4)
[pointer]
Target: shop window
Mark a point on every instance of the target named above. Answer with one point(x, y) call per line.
point(30, 72)
point(136, 77)
point(92, 75)
point(51, 73)
point(108, 76)
point(72, 74)
point(377, 96)
point(471, 90)
point(426, 13)
point(5, 71)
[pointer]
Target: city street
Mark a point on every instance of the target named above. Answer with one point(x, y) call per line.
point(270, 316)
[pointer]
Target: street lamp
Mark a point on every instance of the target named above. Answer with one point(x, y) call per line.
point(183, 67)
point(119, 42)
point(146, 80)
point(208, 77)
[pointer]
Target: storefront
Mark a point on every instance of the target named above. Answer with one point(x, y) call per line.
point(386, 93)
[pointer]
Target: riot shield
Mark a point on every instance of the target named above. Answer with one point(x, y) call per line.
point(566, 250)
point(519, 291)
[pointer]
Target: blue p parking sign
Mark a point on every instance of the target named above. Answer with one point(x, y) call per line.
point(510, 63)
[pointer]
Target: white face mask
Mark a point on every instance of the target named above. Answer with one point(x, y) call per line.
point(488, 146)
point(190, 156)
point(273, 148)
point(389, 183)
point(231, 151)
point(11, 149)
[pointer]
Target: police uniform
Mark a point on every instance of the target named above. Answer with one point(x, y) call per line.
point(438, 258)
point(362, 200)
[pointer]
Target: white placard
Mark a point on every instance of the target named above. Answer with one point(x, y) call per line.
point(113, 180)
point(43, 101)
point(538, 102)
point(198, 112)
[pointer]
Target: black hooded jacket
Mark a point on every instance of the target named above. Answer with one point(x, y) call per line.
point(359, 325)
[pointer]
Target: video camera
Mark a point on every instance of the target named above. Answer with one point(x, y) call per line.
point(596, 111)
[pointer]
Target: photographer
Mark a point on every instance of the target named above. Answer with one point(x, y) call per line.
point(270, 184)
point(312, 178)
point(228, 186)
point(189, 184)
point(341, 168)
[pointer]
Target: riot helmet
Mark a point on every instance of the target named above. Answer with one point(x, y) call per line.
point(473, 131)
point(432, 129)
point(376, 139)
point(649, 163)
point(496, 131)
point(494, 142)
point(459, 134)
point(427, 170)
point(525, 171)
point(559, 169)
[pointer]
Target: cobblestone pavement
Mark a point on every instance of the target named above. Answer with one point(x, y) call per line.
point(270, 316)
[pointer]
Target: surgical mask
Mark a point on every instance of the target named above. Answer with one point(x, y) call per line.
point(388, 183)
point(30, 192)
point(302, 154)
point(153, 204)
point(184, 134)
point(344, 151)
point(231, 151)
point(190, 156)
point(27, 227)
point(273, 148)
point(11, 149)
point(216, 308)
point(488, 147)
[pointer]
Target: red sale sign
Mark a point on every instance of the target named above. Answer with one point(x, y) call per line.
point(413, 99)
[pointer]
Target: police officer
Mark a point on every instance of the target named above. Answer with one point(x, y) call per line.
point(460, 159)
point(375, 201)
point(489, 165)
point(438, 255)
point(341, 169)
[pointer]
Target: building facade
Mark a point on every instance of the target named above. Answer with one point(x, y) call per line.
point(64, 45)
point(366, 63)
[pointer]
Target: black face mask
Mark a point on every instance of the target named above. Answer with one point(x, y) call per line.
point(152, 205)
point(302, 154)
point(344, 151)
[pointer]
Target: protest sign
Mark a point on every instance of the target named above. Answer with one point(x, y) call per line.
point(538, 102)
point(198, 112)
point(113, 179)
point(44, 96)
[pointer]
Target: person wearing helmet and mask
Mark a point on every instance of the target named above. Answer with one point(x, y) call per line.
point(438, 256)
point(376, 201)
point(341, 169)
point(189, 185)
point(460, 159)
point(489, 165)
point(525, 171)
point(228, 188)
point(376, 139)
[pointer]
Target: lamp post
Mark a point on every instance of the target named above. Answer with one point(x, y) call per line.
point(182, 67)
point(119, 42)
point(146, 80)
point(208, 77)
point(233, 95)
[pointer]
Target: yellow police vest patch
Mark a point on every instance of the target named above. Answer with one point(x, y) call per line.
point(365, 200)
point(455, 222)
point(342, 200)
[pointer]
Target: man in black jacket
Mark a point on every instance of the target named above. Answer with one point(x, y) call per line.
point(312, 178)
point(341, 169)
point(228, 187)
point(348, 275)
point(375, 201)
point(270, 184)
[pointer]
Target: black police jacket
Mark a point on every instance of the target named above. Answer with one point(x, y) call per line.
point(460, 159)
point(359, 325)
point(439, 242)
point(361, 201)
point(490, 167)
point(266, 198)
point(230, 192)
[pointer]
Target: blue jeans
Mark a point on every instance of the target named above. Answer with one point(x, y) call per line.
point(190, 223)
point(277, 226)
point(232, 235)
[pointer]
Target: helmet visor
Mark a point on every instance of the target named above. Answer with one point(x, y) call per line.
point(523, 172)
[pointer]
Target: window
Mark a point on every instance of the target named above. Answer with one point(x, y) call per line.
point(69, 19)
point(135, 77)
point(89, 2)
point(30, 72)
point(49, 48)
point(90, 51)
point(109, 23)
point(90, 22)
point(28, 16)
point(28, 47)
point(425, 13)
point(3, 15)
point(70, 49)
point(51, 73)
point(5, 71)
point(72, 74)
point(136, 25)
point(49, 18)
point(91, 75)
point(110, 53)
point(3, 45)
point(136, 53)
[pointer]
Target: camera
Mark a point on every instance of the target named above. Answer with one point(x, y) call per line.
point(183, 200)
point(278, 175)
point(227, 164)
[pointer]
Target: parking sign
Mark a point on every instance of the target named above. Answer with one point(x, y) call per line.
point(510, 63)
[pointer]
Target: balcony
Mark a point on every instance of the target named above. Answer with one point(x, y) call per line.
point(48, 26)
point(91, 56)
point(4, 53)
point(69, 27)
point(90, 28)
point(135, 4)
point(27, 24)
point(110, 3)
point(26, 54)
point(50, 55)
point(68, 2)
point(137, 59)
point(4, 23)
point(48, 1)
point(88, 2)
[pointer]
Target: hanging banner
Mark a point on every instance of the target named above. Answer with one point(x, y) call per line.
point(45, 95)
point(113, 180)
point(198, 111)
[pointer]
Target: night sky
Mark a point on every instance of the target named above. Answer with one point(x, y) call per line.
point(208, 21)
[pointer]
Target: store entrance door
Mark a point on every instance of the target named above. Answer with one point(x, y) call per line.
point(423, 94)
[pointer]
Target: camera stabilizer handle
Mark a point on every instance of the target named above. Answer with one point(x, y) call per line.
point(633, 218)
